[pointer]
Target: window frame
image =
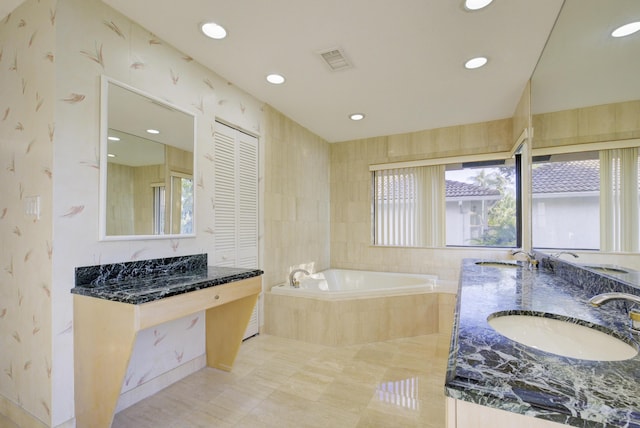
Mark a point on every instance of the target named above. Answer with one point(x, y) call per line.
point(516, 154)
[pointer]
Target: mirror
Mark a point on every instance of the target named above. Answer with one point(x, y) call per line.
point(147, 166)
point(585, 89)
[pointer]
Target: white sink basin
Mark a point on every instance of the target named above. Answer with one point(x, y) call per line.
point(562, 337)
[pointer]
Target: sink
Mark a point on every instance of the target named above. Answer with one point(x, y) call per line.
point(498, 264)
point(567, 338)
point(606, 269)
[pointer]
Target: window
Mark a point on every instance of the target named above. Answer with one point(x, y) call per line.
point(408, 206)
point(586, 200)
point(182, 206)
point(481, 204)
point(472, 204)
point(158, 209)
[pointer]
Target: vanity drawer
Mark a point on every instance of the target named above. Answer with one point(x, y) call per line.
point(163, 310)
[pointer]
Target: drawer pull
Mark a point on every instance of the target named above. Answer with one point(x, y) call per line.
point(217, 297)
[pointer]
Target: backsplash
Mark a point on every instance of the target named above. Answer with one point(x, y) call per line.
point(91, 276)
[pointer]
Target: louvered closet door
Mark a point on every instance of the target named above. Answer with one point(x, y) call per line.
point(236, 203)
point(247, 200)
point(225, 196)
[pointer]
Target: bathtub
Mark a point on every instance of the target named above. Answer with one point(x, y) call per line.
point(344, 284)
point(344, 307)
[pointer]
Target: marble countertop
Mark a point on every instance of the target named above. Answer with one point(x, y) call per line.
point(487, 368)
point(143, 289)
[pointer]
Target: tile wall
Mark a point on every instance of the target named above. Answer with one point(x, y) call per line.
point(296, 198)
point(351, 196)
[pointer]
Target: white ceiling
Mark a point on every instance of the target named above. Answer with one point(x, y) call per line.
point(407, 56)
point(582, 65)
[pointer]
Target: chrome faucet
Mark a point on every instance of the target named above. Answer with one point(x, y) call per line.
point(531, 258)
point(557, 255)
point(634, 314)
point(293, 282)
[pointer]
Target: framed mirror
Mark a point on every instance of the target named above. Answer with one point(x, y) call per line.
point(147, 166)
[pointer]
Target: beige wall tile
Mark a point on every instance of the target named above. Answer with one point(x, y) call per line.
point(607, 122)
point(296, 199)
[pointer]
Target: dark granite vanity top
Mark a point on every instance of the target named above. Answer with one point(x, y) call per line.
point(148, 280)
point(488, 369)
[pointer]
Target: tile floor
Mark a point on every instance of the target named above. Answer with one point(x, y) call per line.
point(280, 383)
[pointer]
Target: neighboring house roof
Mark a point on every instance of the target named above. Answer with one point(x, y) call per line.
point(457, 189)
point(573, 176)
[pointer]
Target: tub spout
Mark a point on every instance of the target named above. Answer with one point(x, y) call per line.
point(292, 277)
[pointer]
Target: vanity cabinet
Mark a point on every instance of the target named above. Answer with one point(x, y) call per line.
point(462, 414)
point(105, 333)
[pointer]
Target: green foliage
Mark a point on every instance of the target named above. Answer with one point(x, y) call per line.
point(500, 230)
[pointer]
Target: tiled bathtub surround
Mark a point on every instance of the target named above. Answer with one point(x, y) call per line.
point(149, 280)
point(488, 369)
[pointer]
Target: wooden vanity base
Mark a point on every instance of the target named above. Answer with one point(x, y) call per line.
point(105, 332)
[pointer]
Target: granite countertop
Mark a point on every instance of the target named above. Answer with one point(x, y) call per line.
point(148, 280)
point(487, 368)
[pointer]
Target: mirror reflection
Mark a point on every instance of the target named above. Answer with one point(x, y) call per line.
point(585, 103)
point(148, 180)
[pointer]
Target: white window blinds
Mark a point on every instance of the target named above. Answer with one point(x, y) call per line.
point(619, 229)
point(409, 206)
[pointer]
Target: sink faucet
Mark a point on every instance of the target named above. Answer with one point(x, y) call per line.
point(531, 258)
point(634, 314)
point(292, 280)
point(557, 255)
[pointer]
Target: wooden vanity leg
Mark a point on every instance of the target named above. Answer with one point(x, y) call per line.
point(104, 335)
point(225, 326)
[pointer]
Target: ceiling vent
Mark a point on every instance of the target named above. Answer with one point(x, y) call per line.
point(335, 59)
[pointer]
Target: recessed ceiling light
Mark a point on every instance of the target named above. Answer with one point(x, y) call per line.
point(476, 4)
point(113, 138)
point(626, 29)
point(213, 30)
point(475, 62)
point(153, 131)
point(356, 116)
point(276, 79)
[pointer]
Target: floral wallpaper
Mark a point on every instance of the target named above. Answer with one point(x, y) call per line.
point(27, 102)
point(52, 54)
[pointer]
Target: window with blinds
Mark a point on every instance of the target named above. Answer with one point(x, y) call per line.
point(587, 200)
point(468, 204)
point(409, 206)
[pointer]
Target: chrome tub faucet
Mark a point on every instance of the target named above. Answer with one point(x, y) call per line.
point(293, 282)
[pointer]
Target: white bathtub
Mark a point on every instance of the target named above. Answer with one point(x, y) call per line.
point(344, 284)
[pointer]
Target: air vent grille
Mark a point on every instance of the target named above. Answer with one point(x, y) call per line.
point(335, 59)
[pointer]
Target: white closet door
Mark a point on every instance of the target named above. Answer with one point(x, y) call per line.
point(225, 204)
point(236, 203)
point(247, 201)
